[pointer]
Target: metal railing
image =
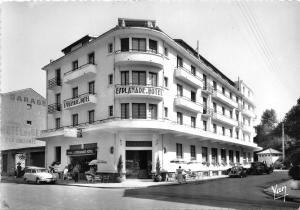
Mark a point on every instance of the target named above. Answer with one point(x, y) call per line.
point(79, 96)
point(150, 51)
point(80, 67)
point(188, 99)
point(189, 72)
point(54, 82)
point(52, 108)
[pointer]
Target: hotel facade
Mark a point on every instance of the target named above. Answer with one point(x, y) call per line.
point(137, 93)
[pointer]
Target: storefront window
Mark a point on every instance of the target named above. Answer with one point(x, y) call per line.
point(237, 156)
point(193, 152)
point(231, 156)
point(223, 155)
point(214, 155)
point(57, 154)
point(204, 154)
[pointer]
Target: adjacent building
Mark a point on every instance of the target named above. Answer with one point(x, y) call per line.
point(137, 93)
point(269, 156)
point(23, 116)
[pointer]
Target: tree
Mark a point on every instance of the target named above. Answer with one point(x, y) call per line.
point(269, 118)
point(292, 122)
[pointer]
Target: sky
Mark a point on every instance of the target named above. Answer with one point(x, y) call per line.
point(255, 41)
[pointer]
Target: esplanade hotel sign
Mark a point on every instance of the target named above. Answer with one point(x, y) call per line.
point(138, 90)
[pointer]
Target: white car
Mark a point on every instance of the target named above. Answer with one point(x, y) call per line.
point(38, 175)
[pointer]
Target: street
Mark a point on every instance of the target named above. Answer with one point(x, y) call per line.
point(226, 193)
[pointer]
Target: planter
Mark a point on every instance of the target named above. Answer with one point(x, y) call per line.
point(295, 184)
point(157, 178)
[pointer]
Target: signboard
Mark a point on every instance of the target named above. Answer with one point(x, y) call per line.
point(138, 143)
point(136, 89)
point(73, 132)
point(76, 101)
point(81, 152)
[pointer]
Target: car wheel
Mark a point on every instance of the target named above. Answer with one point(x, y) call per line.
point(38, 181)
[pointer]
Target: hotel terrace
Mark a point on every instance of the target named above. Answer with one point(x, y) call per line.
point(137, 93)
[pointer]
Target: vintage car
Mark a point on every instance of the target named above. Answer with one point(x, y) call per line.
point(38, 175)
point(237, 171)
point(260, 168)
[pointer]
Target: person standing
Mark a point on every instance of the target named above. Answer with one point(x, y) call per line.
point(179, 175)
point(76, 172)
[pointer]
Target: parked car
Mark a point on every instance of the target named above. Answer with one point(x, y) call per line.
point(260, 168)
point(38, 175)
point(237, 171)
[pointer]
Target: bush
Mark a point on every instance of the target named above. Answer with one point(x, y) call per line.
point(294, 172)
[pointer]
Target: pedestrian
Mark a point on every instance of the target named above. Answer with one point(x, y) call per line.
point(76, 172)
point(19, 170)
point(65, 173)
point(179, 175)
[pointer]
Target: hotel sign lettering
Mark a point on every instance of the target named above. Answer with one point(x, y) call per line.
point(142, 90)
point(81, 152)
point(76, 101)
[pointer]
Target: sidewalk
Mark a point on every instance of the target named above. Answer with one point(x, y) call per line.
point(292, 194)
point(129, 183)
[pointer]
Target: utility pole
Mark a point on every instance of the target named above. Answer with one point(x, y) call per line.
point(283, 153)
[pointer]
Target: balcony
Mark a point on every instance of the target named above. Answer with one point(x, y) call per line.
point(139, 91)
point(147, 57)
point(88, 70)
point(54, 108)
point(186, 103)
point(54, 83)
point(207, 89)
point(248, 113)
point(224, 119)
point(224, 99)
point(81, 100)
point(186, 76)
point(247, 128)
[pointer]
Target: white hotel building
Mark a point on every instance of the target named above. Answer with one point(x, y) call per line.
point(136, 92)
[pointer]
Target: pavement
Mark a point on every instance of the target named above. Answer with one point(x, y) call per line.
point(128, 183)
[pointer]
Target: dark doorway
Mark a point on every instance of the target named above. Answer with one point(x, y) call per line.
point(4, 163)
point(38, 159)
point(138, 164)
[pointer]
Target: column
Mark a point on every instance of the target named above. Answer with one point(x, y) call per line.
point(219, 161)
point(209, 159)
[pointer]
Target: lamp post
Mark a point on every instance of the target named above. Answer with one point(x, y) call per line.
point(283, 153)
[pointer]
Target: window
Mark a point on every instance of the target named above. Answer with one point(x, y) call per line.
point(243, 136)
point(237, 115)
point(204, 105)
point(230, 94)
point(231, 134)
point(111, 111)
point(75, 119)
point(179, 150)
point(204, 154)
point(125, 111)
point(205, 125)
point(91, 58)
point(75, 147)
point(153, 46)
point(165, 81)
point(139, 77)
point(139, 44)
point(204, 82)
point(215, 85)
point(179, 62)
point(223, 155)
point(75, 92)
point(57, 98)
point(223, 110)
point(57, 123)
point(237, 153)
point(57, 154)
point(57, 75)
point(237, 99)
point(193, 152)
point(90, 146)
point(110, 48)
point(223, 90)
point(223, 131)
point(231, 156)
point(237, 134)
point(193, 70)
point(29, 106)
point(230, 113)
point(153, 78)
point(92, 87)
point(215, 107)
point(215, 128)
point(153, 110)
point(75, 65)
point(193, 96)
point(110, 79)
point(214, 155)
point(179, 90)
point(139, 111)
point(243, 89)
point(179, 118)
point(124, 77)
point(28, 122)
point(166, 51)
point(193, 122)
point(166, 112)
point(91, 116)
point(124, 44)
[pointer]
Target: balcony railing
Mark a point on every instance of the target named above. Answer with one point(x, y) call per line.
point(224, 118)
point(131, 90)
point(54, 82)
point(224, 98)
point(139, 56)
point(187, 103)
point(187, 76)
point(247, 112)
point(86, 98)
point(88, 69)
point(53, 108)
point(207, 89)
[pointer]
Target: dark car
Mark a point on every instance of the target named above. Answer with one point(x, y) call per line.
point(260, 168)
point(237, 171)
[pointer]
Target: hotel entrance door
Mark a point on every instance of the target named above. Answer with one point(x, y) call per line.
point(138, 164)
